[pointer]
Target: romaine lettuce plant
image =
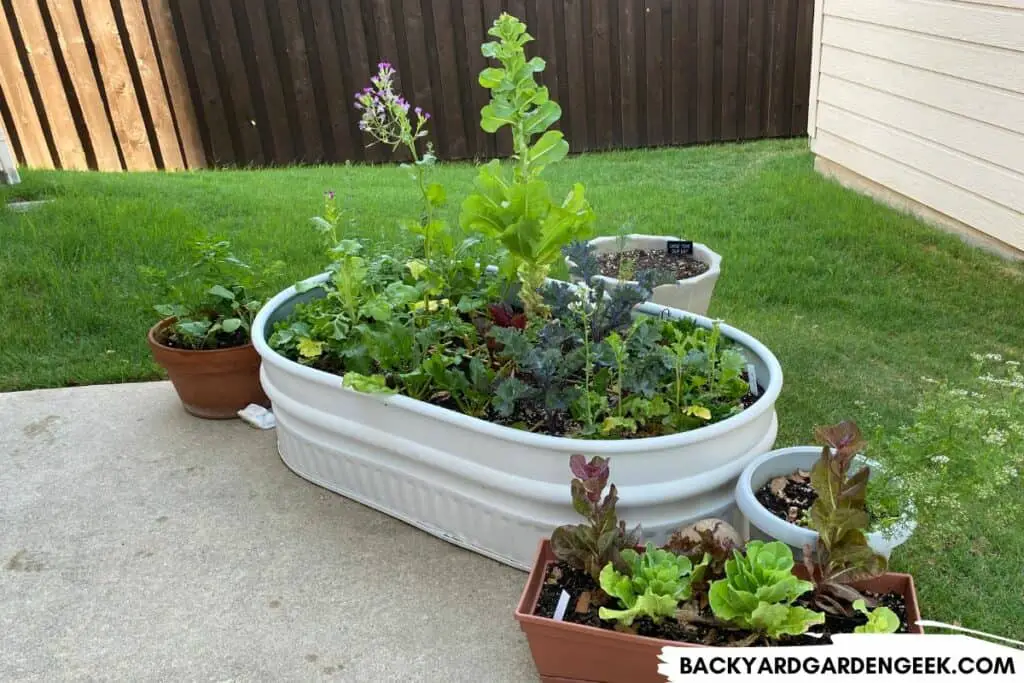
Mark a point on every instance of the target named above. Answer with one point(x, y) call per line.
point(601, 541)
point(657, 581)
point(517, 208)
point(759, 589)
point(840, 517)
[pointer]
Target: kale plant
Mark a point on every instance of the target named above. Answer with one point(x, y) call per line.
point(880, 619)
point(601, 541)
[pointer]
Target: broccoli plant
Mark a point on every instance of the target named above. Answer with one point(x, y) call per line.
point(840, 518)
point(657, 581)
point(759, 589)
point(600, 542)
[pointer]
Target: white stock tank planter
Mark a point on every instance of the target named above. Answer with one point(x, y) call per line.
point(692, 294)
point(493, 489)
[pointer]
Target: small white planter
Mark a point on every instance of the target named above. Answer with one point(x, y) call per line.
point(692, 295)
point(764, 524)
point(493, 489)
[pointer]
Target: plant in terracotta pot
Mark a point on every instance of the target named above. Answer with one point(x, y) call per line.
point(703, 588)
point(203, 339)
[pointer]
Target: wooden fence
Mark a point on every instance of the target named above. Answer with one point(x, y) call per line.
point(147, 84)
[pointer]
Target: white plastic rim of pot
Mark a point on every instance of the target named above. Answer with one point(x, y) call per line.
point(692, 294)
point(785, 461)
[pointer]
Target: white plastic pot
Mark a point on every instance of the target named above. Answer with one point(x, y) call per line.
point(493, 489)
point(765, 525)
point(692, 295)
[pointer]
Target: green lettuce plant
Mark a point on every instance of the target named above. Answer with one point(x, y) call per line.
point(657, 581)
point(759, 589)
point(517, 208)
point(600, 542)
point(880, 619)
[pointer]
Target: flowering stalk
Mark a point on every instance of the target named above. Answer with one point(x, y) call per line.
point(385, 118)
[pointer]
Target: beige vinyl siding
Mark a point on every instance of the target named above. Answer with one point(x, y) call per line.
point(926, 98)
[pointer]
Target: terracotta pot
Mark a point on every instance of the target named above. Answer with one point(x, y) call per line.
point(213, 384)
point(574, 653)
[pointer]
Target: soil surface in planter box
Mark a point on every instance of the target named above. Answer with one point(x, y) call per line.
point(679, 267)
point(560, 576)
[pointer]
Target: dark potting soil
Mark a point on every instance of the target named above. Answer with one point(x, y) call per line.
point(679, 267)
point(561, 576)
point(220, 341)
point(788, 497)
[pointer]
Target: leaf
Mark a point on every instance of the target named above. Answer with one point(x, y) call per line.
point(542, 117)
point(491, 77)
point(536, 65)
point(436, 194)
point(222, 292)
point(230, 325)
point(550, 148)
point(367, 384)
point(698, 411)
point(309, 348)
point(880, 620)
point(417, 267)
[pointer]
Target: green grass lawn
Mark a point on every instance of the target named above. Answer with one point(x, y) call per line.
point(857, 301)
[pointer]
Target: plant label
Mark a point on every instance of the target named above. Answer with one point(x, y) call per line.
point(752, 379)
point(563, 604)
point(679, 247)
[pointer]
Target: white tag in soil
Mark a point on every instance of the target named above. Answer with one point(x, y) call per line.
point(563, 604)
point(752, 379)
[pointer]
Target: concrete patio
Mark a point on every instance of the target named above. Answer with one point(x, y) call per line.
point(139, 543)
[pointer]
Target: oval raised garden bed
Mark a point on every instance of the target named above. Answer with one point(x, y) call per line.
point(494, 489)
point(567, 652)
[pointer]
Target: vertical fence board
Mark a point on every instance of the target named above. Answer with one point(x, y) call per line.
point(756, 14)
point(337, 96)
point(219, 149)
point(277, 137)
point(680, 64)
point(176, 82)
point(302, 82)
point(242, 110)
point(152, 84)
point(778, 111)
point(705, 70)
point(125, 111)
point(653, 69)
point(628, 96)
point(600, 104)
point(730, 67)
point(60, 119)
point(86, 89)
point(450, 92)
point(352, 42)
point(29, 130)
point(576, 69)
point(801, 71)
point(475, 31)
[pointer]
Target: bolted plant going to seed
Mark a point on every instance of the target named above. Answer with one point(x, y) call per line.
point(517, 208)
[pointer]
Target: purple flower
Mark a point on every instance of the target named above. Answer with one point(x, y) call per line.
point(329, 194)
point(418, 111)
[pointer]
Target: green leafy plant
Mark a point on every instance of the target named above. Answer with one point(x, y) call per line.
point(214, 300)
point(602, 540)
point(840, 517)
point(880, 619)
point(517, 208)
point(759, 589)
point(657, 581)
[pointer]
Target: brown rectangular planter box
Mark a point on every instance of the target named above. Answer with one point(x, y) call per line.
point(574, 653)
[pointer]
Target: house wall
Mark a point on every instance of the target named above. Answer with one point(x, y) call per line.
point(925, 98)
